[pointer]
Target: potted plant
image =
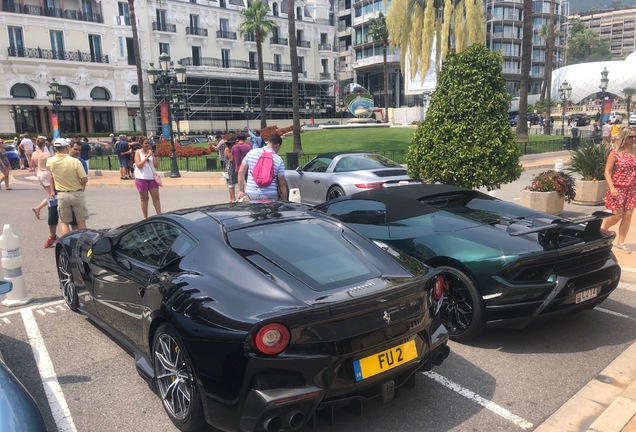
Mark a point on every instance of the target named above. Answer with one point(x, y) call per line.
point(549, 191)
point(589, 162)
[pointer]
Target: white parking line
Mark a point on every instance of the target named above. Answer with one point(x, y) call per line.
point(618, 314)
point(32, 307)
point(52, 388)
point(523, 424)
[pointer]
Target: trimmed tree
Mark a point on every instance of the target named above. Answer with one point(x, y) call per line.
point(466, 139)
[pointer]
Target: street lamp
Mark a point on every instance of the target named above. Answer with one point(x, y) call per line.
point(167, 83)
point(248, 110)
point(312, 106)
point(54, 94)
point(603, 87)
point(564, 94)
point(341, 109)
point(20, 115)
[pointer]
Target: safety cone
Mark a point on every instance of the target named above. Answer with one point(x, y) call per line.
point(12, 266)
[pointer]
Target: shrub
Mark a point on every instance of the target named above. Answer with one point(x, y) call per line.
point(557, 181)
point(589, 161)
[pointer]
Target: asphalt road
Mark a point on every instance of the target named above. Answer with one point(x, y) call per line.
point(507, 380)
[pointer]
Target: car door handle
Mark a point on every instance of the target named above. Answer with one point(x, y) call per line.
point(124, 263)
point(141, 290)
point(316, 181)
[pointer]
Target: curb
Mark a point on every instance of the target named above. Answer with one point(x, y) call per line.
point(605, 404)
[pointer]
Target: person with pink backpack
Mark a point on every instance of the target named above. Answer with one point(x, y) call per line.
point(265, 173)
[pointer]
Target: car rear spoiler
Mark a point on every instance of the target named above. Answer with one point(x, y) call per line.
point(552, 230)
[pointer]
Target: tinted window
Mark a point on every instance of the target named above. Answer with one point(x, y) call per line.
point(313, 251)
point(359, 212)
point(364, 162)
point(149, 243)
point(318, 165)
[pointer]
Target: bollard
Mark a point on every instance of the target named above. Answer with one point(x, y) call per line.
point(294, 195)
point(12, 266)
point(558, 165)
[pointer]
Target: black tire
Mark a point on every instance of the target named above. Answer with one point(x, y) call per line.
point(334, 193)
point(462, 309)
point(67, 284)
point(15, 164)
point(175, 380)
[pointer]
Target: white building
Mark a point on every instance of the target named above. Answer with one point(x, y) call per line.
point(86, 46)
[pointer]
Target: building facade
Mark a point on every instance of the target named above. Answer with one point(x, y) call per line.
point(617, 27)
point(87, 47)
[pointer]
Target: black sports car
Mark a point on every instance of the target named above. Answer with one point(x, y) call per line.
point(506, 265)
point(253, 316)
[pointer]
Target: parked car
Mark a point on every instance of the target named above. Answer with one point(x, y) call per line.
point(293, 313)
point(506, 265)
point(18, 410)
point(332, 175)
point(533, 118)
point(582, 119)
point(615, 116)
point(632, 118)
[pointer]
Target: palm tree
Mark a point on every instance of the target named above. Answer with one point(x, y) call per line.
point(379, 33)
point(414, 25)
point(546, 93)
point(526, 63)
point(293, 57)
point(255, 22)
point(140, 76)
point(629, 92)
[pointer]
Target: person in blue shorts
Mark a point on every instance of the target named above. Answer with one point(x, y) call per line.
point(123, 153)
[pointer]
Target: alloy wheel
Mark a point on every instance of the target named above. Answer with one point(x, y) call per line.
point(174, 380)
point(457, 307)
point(67, 284)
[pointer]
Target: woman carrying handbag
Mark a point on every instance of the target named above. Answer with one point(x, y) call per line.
point(146, 178)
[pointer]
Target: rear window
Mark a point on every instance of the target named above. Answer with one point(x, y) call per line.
point(315, 252)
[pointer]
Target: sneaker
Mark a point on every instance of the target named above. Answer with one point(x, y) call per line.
point(50, 242)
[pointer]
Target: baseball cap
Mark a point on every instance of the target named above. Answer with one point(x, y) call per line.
point(61, 142)
point(112, 135)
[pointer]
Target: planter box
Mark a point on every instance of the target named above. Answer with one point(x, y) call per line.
point(590, 192)
point(547, 202)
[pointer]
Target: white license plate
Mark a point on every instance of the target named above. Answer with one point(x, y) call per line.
point(586, 295)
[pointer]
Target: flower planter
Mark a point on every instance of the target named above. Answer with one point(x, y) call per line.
point(589, 192)
point(546, 202)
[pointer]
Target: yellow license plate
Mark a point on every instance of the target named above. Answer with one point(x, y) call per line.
point(386, 360)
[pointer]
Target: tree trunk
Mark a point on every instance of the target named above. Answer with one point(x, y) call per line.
point(293, 57)
point(386, 86)
point(526, 62)
point(547, 81)
point(140, 76)
point(261, 81)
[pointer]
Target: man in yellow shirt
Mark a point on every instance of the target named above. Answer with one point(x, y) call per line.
point(615, 132)
point(70, 181)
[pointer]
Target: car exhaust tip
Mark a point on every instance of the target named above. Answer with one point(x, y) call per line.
point(273, 423)
point(441, 356)
point(294, 419)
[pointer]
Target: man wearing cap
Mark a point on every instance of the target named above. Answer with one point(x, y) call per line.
point(70, 181)
point(29, 147)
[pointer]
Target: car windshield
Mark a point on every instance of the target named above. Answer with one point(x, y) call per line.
point(312, 251)
point(364, 162)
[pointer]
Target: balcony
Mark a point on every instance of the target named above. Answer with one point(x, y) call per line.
point(324, 47)
point(251, 37)
point(239, 64)
point(222, 34)
point(37, 10)
point(164, 27)
point(196, 31)
point(303, 44)
point(325, 76)
point(279, 41)
point(45, 54)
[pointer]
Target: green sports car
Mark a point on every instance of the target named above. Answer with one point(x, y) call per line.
point(505, 264)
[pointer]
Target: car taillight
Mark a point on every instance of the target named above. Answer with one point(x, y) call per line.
point(271, 339)
point(438, 289)
point(372, 185)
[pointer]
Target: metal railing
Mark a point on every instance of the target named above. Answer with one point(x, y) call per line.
point(278, 41)
point(46, 54)
point(225, 34)
point(196, 31)
point(165, 27)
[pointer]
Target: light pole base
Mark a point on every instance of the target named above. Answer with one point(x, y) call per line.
point(174, 167)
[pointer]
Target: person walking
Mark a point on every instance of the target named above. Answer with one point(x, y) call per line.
point(220, 146)
point(615, 132)
point(85, 153)
point(239, 151)
point(277, 189)
point(28, 147)
point(606, 131)
point(5, 166)
point(620, 173)
point(231, 178)
point(39, 159)
point(122, 148)
point(70, 181)
point(146, 165)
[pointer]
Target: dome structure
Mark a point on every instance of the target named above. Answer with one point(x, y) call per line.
point(585, 78)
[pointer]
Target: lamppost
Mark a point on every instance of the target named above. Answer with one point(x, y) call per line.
point(55, 98)
point(603, 87)
point(564, 94)
point(20, 115)
point(341, 109)
point(167, 81)
point(247, 109)
point(312, 106)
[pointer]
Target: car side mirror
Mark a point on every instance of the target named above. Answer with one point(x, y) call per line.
point(299, 170)
point(5, 286)
point(102, 246)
